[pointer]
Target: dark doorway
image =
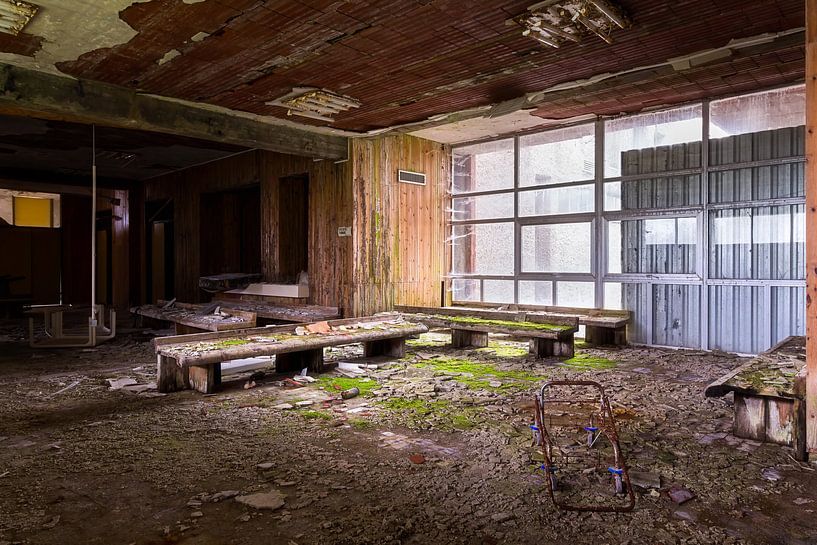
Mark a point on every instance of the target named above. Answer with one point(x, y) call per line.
point(231, 231)
point(159, 250)
point(294, 227)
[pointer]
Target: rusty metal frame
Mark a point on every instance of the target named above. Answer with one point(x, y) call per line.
point(606, 426)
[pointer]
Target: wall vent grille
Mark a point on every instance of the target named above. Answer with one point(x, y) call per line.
point(408, 177)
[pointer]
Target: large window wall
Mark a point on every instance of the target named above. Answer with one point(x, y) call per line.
point(692, 218)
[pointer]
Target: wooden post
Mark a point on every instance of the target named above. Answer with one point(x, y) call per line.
point(170, 377)
point(462, 338)
point(394, 348)
point(547, 348)
point(295, 361)
point(811, 225)
point(202, 378)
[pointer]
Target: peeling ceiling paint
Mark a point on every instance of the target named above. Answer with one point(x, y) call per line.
point(71, 28)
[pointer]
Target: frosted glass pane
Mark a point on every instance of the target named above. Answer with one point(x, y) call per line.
point(575, 294)
point(552, 157)
point(483, 249)
point(757, 112)
point(483, 167)
point(498, 291)
point(535, 293)
point(557, 200)
point(465, 289)
point(561, 247)
point(483, 207)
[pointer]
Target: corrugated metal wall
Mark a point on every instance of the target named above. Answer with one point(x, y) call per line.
point(748, 244)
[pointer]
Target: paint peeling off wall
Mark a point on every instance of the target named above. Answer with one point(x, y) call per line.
point(72, 28)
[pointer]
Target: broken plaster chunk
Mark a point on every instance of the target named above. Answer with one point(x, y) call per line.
point(271, 500)
point(119, 383)
point(284, 406)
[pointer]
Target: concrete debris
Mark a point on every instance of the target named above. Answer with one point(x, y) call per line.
point(645, 479)
point(271, 500)
point(119, 383)
point(265, 466)
point(283, 406)
point(417, 459)
point(305, 403)
point(680, 495)
point(223, 495)
point(51, 522)
point(771, 474)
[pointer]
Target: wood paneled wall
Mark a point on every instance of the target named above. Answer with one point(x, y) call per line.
point(330, 199)
point(399, 231)
point(396, 254)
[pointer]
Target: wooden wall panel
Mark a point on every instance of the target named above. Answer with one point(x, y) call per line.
point(399, 231)
point(330, 207)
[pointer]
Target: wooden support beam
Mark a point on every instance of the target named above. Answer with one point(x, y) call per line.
point(39, 94)
point(549, 348)
point(811, 225)
point(393, 348)
point(463, 338)
point(170, 376)
point(295, 361)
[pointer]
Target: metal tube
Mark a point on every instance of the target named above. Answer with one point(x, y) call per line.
point(607, 10)
point(93, 319)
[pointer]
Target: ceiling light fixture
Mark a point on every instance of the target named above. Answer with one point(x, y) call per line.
point(554, 22)
point(315, 103)
point(15, 15)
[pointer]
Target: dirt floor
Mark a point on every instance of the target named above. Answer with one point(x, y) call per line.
point(436, 449)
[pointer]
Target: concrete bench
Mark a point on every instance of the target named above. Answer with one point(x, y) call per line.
point(549, 335)
point(194, 361)
point(602, 326)
point(196, 318)
point(769, 396)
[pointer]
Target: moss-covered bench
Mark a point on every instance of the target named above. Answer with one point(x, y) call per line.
point(549, 335)
point(769, 395)
point(194, 361)
point(602, 326)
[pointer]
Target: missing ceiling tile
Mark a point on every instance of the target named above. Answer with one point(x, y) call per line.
point(315, 103)
point(556, 22)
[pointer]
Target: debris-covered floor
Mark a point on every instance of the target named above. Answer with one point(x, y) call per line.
point(435, 449)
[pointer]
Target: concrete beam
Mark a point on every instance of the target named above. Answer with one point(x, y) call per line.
point(39, 94)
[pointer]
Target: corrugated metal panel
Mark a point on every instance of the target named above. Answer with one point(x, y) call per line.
point(744, 243)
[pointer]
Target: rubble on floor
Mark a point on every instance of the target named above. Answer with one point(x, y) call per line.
point(435, 448)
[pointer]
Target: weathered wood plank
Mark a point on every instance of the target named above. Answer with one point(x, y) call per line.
point(41, 94)
point(463, 338)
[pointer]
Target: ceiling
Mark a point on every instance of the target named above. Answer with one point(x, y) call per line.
point(408, 60)
point(29, 145)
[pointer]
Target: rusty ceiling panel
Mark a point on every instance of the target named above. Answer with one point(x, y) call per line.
point(21, 44)
point(404, 60)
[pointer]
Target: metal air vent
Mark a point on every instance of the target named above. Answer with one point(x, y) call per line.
point(409, 177)
point(15, 15)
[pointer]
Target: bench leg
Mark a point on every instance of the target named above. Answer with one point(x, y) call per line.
point(295, 361)
point(202, 378)
point(394, 348)
point(599, 336)
point(798, 433)
point(462, 338)
point(170, 377)
point(549, 348)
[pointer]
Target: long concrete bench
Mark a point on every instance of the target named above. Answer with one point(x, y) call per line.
point(769, 396)
point(194, 361)
point(602, 326)
point(549, 335)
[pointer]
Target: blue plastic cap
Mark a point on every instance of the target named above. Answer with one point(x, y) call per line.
point(615, 470)
point(591, 428)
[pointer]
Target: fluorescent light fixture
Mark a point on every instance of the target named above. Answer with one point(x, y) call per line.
point(315, 103)
point(554, 22)
point(15, 15)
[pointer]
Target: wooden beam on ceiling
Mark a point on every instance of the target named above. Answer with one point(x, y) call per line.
point(49, 96)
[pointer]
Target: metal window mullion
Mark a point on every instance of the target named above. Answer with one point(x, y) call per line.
point(517, 228)
point(600, 249)
point(703, 231)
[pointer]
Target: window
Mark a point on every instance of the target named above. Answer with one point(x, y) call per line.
point(652, 246)
point(557, 156)
point(557, 248)
point(483, 167)
point(483, 207)
point(558, 200)
point(485, 248)
point(758, 112)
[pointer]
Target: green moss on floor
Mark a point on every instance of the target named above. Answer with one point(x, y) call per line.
point(339, 384)
point(586, 362)
point(476, 375)
point(441, 412)
point(503, 350)
point(529, 326)
point(316, 415)
point(427, 341)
